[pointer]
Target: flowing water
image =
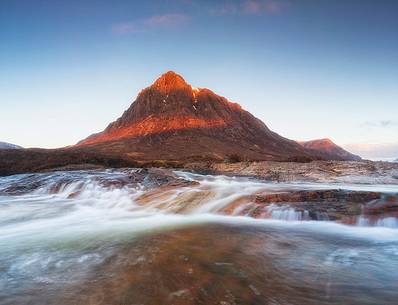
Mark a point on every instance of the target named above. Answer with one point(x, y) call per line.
point(89, 238)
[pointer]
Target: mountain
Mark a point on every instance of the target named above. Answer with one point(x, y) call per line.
point(171, 120)
point(169, 124)
point(329, 150)
point(5, 145)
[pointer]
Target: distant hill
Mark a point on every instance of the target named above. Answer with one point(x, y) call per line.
point(5, 145)
point(329, 150)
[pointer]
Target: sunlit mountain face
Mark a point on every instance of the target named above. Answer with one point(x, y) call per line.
point(170, 104)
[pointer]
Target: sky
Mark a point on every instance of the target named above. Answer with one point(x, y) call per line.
point(308, 68)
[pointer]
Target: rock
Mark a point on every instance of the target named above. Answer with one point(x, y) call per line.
point(387, 204)
point(336, 205)
point(146, 178)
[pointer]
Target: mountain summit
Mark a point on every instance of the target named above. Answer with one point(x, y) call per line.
point(330, 150)
point(171, 105)
point(171, 120)
point(170, 81)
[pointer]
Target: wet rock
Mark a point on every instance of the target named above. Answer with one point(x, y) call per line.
point(75, 182)
point(169, 198)
point(155, 177)
point(388, 204)
point(318, 195)
point(336, 205)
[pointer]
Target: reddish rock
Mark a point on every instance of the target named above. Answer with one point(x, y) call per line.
point(388, 204)
point(340, 205)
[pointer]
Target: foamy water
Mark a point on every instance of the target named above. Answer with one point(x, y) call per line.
point(67, 224)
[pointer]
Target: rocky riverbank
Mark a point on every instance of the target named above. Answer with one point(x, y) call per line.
point(362, 172)
point(286, 191)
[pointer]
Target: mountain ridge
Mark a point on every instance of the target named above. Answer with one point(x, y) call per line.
point(328, 148)
point(171, 112)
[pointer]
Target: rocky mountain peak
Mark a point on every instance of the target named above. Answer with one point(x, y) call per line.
point(327, 141)
point(170, 81)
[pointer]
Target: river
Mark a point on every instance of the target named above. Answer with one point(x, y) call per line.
point(85, 238)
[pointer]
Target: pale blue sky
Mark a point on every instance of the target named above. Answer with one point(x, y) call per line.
point(308, 69)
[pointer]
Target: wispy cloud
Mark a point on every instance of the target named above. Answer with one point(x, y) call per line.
point(250, 7)
point(227, 8)
point(167, 21)
point(381, 123)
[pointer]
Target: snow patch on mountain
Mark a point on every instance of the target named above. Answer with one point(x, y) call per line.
point(5, 145)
